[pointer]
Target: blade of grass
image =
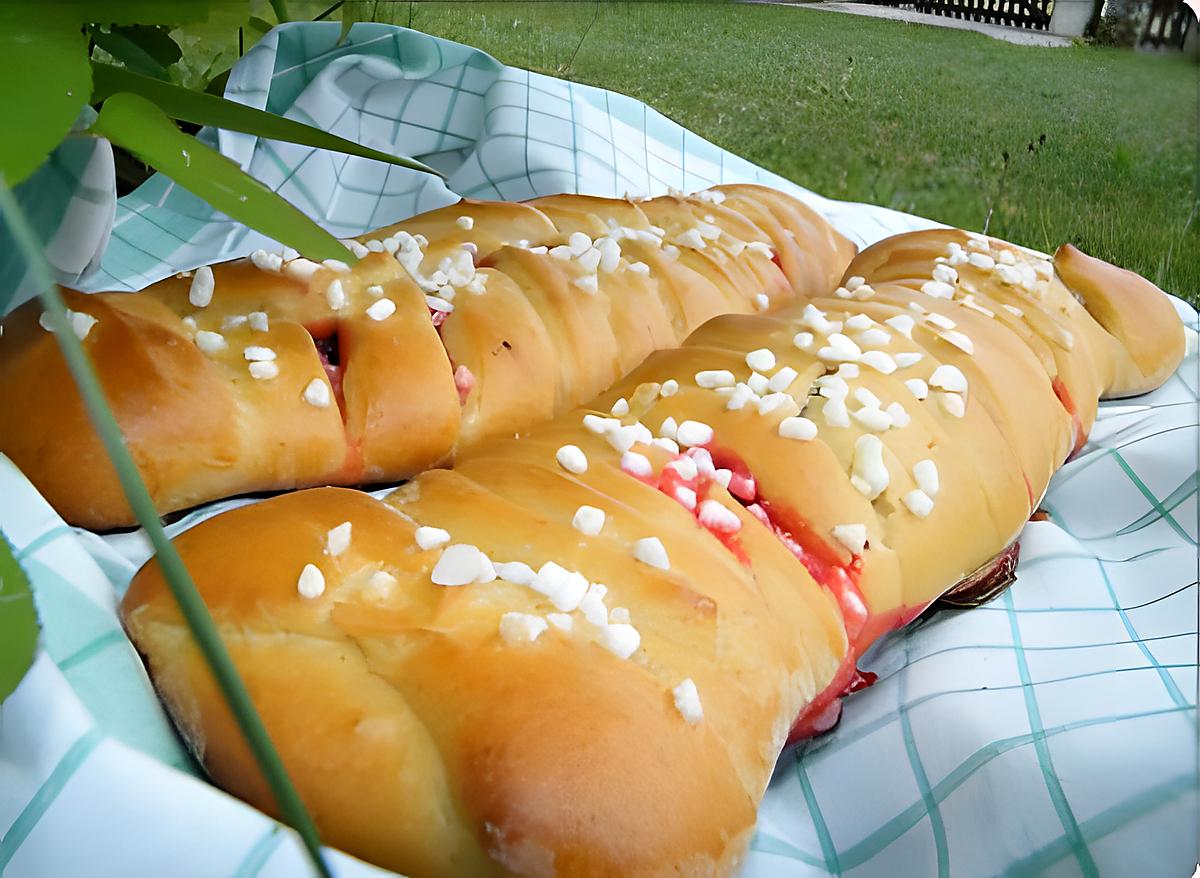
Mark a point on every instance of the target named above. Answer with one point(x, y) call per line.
point(136, 124)
point(192, 606)
point(218, 112)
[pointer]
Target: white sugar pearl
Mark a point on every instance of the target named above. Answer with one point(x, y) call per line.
point(945, 274)
point(959, 340)
point(687, 702)
point(201, 291)
point(686, 467)
point(516, 572)
point(925, 474)
point(917, 387)
point(431, 537)
point(902, 323)
point(947, 377)
point(257, 353)
point(714, 378)
point(761, 360)
point(953, 404)
point(874, 338)
point(621, 640)
point(782, 379)
point(692, 433)
point(317, 393)
point(572, 459)
point(652, 552)
point(335, 295)
point(918, 503)
point(311, 583)
point(337, 540)
point(381, 309)
point(636, 464)
point(797, 428)
point(561, 621)
point(719, 518)
point(880, 361)
point(852, 536)
point(588, 520)
point(937, 289)
point(521, 627)
point(264, 370)
point(210, 342)
point(462, 564)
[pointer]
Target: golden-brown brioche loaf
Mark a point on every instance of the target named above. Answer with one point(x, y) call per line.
point(580, 651)
point(473, 320)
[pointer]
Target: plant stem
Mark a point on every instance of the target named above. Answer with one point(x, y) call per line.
point(192, 606)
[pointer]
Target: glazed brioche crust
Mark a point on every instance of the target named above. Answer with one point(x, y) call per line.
point(432, 732)
point(532, 333)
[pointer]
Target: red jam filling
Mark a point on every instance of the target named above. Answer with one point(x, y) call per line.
point(325, 339)
point(464, 383)
point(1064, 396)
point(817, 556)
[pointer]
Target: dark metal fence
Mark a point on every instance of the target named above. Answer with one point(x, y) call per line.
point(1033, 14)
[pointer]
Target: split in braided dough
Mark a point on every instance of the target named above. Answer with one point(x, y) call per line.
point(533, 724)
point(296, 374)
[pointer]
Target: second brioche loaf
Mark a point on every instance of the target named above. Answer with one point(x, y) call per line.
point(474, 320)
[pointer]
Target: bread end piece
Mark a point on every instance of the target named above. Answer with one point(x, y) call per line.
point(1131, 309)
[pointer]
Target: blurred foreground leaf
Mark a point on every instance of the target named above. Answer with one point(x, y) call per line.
point(142, 128)
point(46, 81)
point(18, 622)
point(217, 112)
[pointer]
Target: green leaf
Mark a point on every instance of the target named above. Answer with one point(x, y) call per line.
point(134, 57)
point(259, 24)
point(137, 125)
point(191, 604)
point(18, 622)
point(154, 39)
point(352, 12)
point(46, 82)
point(203, 109)
point(141, 11)
point(216, 85)
point(281, 10)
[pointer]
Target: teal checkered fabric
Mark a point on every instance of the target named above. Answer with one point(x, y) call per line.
point(1051, 732)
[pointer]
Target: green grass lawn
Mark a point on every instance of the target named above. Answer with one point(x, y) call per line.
point(912, 117)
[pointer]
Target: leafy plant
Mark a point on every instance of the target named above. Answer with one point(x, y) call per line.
point(191, 605)
point(55, 53)
point(118, 56)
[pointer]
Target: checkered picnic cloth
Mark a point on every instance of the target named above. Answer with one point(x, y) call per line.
point(1050, 732)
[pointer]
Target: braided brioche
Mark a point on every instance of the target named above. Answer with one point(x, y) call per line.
point(478, 319)
point(580, 651)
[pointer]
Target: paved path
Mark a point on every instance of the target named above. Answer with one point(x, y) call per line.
point(1020, 35)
